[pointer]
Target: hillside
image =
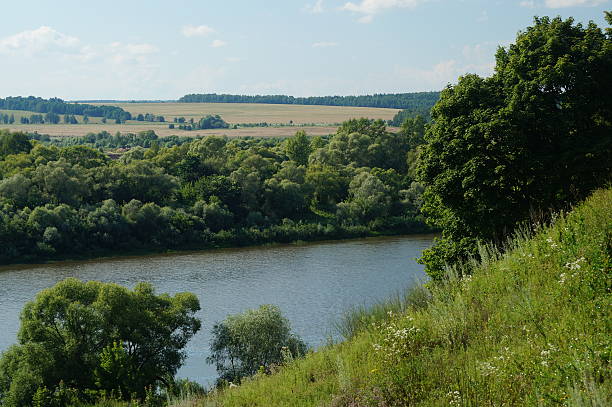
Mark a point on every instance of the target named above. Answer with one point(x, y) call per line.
point(530, 327)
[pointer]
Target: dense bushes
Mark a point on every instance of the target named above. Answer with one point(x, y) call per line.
point(75, 201)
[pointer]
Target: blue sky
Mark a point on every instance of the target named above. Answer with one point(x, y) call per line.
point(133, 49)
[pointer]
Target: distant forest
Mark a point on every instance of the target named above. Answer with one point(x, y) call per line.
point(421, 101)
point(58, 106)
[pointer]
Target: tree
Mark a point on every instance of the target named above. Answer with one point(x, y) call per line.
point(298, 148)
point(257, 338)
point(13, 143)
point(533, 137)
point(97, 336)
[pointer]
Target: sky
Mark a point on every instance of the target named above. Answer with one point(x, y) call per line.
point(161, 50)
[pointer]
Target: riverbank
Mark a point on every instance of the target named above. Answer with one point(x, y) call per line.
point(245, 237)
point(529, 327)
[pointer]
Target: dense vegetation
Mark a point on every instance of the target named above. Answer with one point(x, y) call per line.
point(85, 341)
point(414, 101)
point(206, 122)
point(58, 106)
point(76, 201)
point(534, 137)
point(529, 327)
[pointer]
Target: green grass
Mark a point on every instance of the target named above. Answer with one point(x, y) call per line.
point(531, 327)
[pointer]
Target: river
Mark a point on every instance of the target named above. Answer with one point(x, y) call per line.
point(312, 283)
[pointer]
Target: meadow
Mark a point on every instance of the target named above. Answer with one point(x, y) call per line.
point(315, 120)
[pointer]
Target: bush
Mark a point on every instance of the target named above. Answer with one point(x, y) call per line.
point(255, 340)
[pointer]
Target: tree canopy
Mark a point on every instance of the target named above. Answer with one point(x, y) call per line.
point(534, 136)
point(414, 102)
point(253, 340)
point(97, 337)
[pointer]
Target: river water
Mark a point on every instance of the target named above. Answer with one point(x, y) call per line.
point(313, 284)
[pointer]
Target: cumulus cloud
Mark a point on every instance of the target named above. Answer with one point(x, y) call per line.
point(371, 7)
point(218, 44)
point(43, 39)
point(196, 31)
point(324, 44)
point(67, 59)
point(316, 8)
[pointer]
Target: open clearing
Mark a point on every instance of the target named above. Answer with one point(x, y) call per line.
point(323, 120)
point(235, 113)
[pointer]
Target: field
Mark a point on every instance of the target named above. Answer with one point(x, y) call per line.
point(256, 113)
point(315, 120)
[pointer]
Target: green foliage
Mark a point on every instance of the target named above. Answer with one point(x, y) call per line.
point(212, 122)
point(13, 143)
point(96, 338)
point(255, 340)
point(529, 327)
point(533, 137)
point(66, 197)
point(419, 102)
point(54, 107)
point(298, 148)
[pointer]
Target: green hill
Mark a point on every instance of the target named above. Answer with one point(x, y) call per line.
point(529, 327)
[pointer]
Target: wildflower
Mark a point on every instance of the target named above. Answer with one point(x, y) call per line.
point(575, 265)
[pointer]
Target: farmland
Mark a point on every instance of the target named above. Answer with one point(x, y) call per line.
point(255, 113)
point(315, 120)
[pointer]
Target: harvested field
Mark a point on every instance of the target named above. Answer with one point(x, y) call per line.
point(324, 119)
point(235, 113)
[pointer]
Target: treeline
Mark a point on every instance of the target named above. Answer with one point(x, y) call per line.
point(74, 201)
point(418, 101)
point(58, 106)
point(106, 141)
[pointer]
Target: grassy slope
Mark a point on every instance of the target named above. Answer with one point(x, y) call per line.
point(531, 327)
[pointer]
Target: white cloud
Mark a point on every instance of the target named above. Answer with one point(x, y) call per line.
point(55, 59)
point(316, 8)
point(324, 44)
point(572, 3)
point(371, 7)
point(196, 31)
point(218, 43)
point(41, 40)
point(561, 3)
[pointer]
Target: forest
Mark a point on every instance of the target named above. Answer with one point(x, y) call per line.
point(420, 101)
point(58, 106)
point(65, 198)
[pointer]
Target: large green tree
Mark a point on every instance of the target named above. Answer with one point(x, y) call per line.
point(97, 336)
point(534, 136)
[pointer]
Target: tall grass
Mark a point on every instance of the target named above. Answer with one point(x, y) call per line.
point(529, 327)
